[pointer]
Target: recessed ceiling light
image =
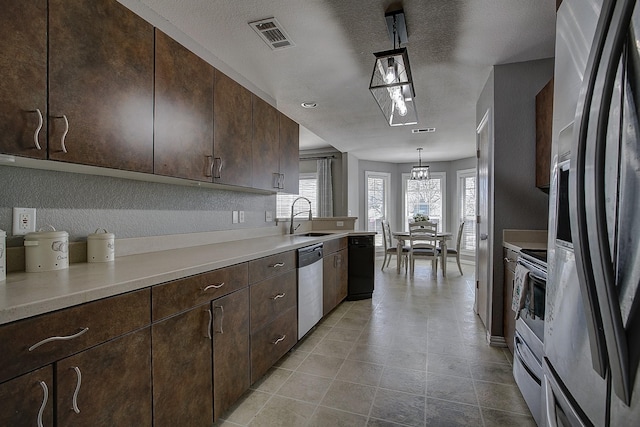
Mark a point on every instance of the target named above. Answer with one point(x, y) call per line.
point(309, 104)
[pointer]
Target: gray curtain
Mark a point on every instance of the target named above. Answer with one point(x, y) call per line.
point(325, 192)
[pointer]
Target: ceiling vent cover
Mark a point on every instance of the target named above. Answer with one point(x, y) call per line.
point(423, 130)
point(272, 33)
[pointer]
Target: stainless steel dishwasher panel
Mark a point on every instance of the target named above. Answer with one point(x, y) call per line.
point(309, 288)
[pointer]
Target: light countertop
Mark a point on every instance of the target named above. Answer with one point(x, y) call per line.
point(517, 240)
point(28, 294)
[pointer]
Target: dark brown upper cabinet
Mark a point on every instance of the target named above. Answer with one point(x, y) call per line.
point(231, 132)
point(100, 85)
point(183, 123)
point(23, 85)
point(289, 155)
point(544, 122)
point(265, 145)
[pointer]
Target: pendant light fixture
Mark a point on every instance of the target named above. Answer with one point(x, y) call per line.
point(420, 172)
point(391, 81)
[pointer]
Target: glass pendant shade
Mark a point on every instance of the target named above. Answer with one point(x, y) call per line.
point(420, 172)
point(392, 87)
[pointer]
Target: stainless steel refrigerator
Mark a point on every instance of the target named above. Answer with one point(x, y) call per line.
point(592, 312)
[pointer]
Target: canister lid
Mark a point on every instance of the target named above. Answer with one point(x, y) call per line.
point(46, 234)
point(101, 234)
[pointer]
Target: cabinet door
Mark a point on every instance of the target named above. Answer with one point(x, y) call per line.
point(230, 350)
point(342, 275)
point(101, 81)
point(182, 382)
point(329, 289)
point(22, 399)
point(508, 317)
point(107, 385)
point(265, 145)
point(183, 125)
point(544, 122)
point(289, 154)
point(23, 86)
point(231, 132)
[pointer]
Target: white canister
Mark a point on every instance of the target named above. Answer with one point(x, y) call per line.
point(3, 256)
point(100, 246)
point(46, 250)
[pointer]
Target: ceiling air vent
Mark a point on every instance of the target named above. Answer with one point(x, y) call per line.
point(423, 130)
point(272, 33)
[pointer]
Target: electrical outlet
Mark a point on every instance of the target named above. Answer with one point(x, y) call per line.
point(24, 221)
point(234, 217)
point(268, 216)
point(241, 216)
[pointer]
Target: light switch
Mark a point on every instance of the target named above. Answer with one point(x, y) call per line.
point(241, 216)
point(234, 217)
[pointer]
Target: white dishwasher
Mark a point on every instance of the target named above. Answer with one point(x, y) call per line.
point(309, 287)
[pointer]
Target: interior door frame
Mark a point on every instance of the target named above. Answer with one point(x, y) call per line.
point(484, 132)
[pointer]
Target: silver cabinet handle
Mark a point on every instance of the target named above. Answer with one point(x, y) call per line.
point(74, 401)
point(221, 331)
point(63, 338)
point(66, 131)
point(36, 134)
point(277, 264)
point(213, 287)
point(210, 324)
point(218, 166)
point(275, 297)
point(209, 168)
point(279, 340)
point(45, 398)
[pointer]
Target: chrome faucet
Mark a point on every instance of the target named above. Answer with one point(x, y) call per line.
point(291, 227)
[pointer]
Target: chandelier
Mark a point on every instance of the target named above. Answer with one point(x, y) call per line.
point(420, 172)
point(391, 82)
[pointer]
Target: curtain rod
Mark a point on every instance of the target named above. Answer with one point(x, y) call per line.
point(318, 158)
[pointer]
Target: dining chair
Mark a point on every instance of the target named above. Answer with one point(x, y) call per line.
point(454, 252)
point(423, 243)
point(390, 249)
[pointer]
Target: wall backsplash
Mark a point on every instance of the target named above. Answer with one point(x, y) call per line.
point(79, 204)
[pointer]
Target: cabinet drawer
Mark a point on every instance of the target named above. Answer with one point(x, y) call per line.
point(60, 334)
point(335, 245)
point(182, 294)
point(272, 297)
point(271, 342)
point(270, 266)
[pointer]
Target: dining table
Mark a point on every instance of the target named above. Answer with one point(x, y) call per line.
point(441, 237)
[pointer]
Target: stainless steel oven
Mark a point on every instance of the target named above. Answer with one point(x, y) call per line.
point(529, 335)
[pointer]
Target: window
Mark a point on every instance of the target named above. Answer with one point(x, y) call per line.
point(308, 189)
point(467, 209)
point(426, 197)
point(377, 197)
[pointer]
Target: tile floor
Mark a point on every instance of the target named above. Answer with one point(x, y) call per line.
point(413, 355)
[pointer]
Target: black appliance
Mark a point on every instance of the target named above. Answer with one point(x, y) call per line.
point(361, 267)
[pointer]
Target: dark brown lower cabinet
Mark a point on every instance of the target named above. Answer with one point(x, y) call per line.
point(107, 385)
point(335, 276)
point(230, 349)
point(182, 388)
point(272, 342)
point(22, 398)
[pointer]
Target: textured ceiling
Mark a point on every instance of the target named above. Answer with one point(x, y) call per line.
point(452, 46)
